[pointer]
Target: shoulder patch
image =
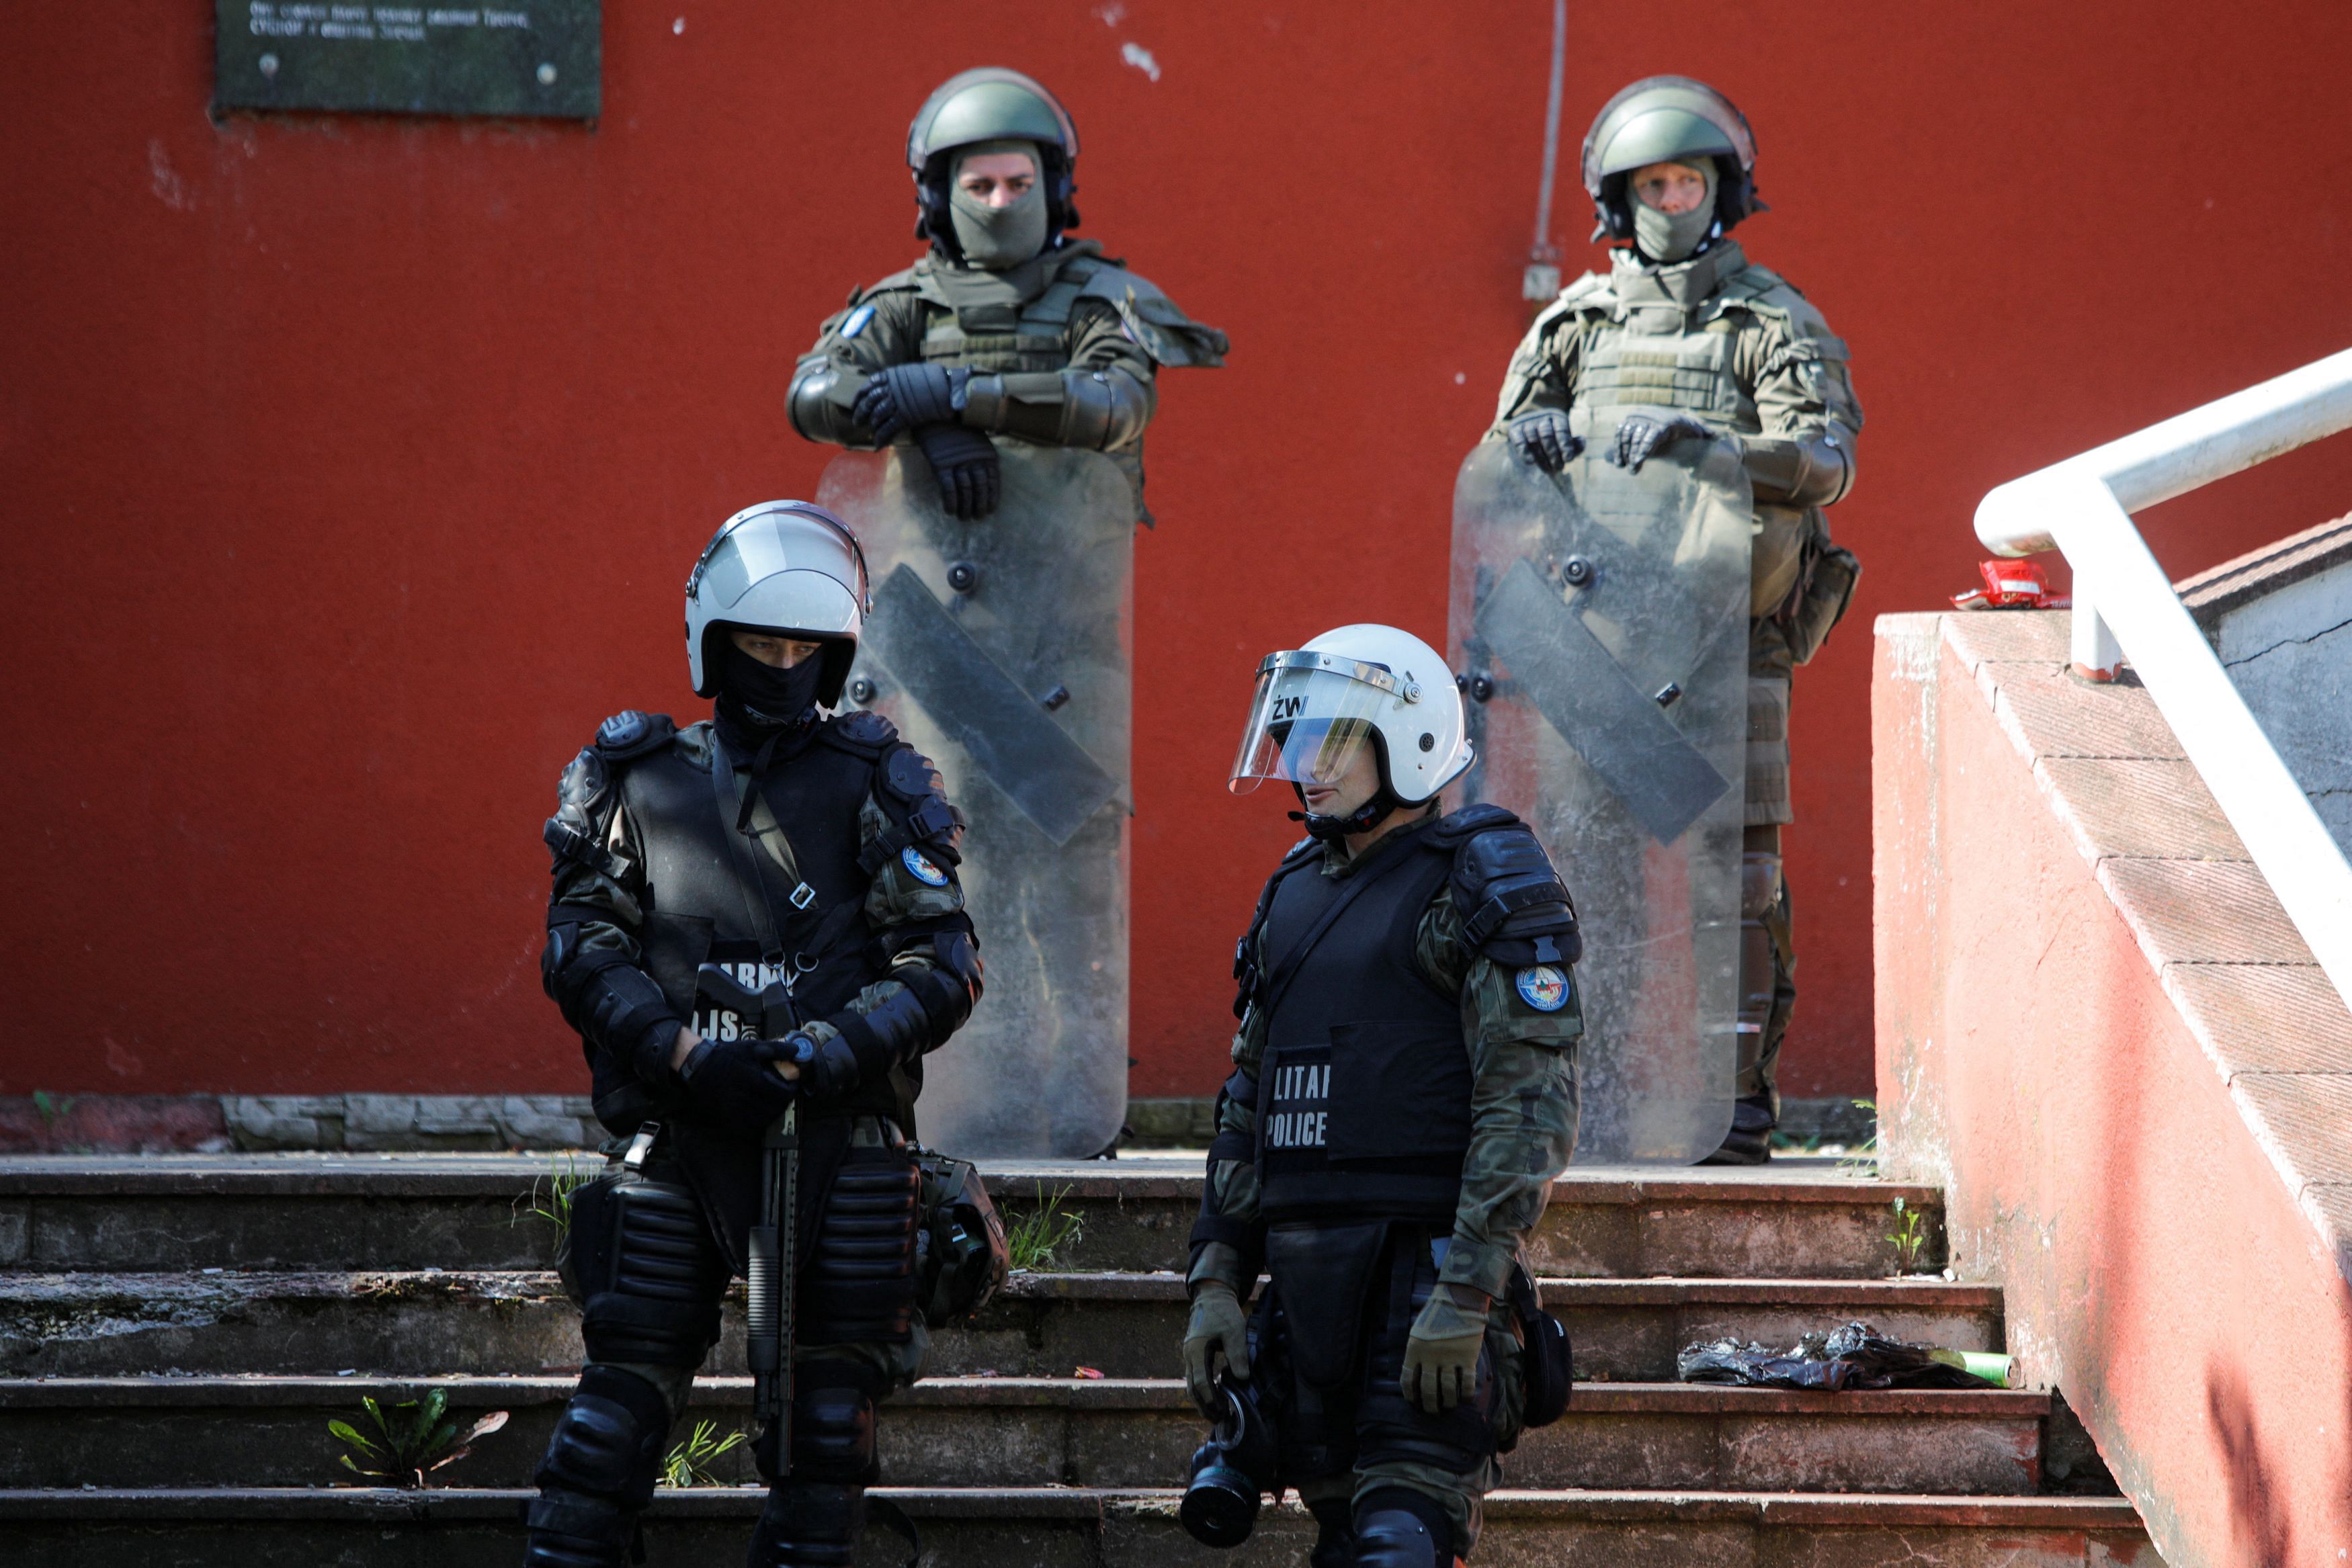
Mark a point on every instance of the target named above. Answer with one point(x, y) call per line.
point(920, 868)
point(1543, 987)
point(630, 733)
point(857, 321)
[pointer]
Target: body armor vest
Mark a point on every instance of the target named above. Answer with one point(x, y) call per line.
point(1667, 341)
point(999, 338)
point(696, 906)
point(1364, 1093)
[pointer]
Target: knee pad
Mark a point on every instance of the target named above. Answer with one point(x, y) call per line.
point(807, 1525)
point(833, 1423)
point(651, 1270)
point(598, 1472)
point(1398, 1528)
point(608, 1440)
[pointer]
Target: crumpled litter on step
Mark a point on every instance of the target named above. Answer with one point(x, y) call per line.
point(1854, 1355)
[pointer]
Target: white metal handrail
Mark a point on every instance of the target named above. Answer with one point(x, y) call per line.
point(2124, 604)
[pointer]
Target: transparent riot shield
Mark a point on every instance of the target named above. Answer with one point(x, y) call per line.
point(1001, 650)
point(1601, 618)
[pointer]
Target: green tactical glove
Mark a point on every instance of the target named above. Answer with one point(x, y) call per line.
point(1218, 1327)
point(1441, 1356)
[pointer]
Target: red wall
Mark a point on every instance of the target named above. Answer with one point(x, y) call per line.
point(352, 467)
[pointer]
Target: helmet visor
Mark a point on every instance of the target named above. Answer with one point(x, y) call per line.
point(1310, 718)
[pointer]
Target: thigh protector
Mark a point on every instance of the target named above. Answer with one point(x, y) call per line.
point(650, 1268)
point(598, 1472)
point(1392, 1427)
point(859, 1287)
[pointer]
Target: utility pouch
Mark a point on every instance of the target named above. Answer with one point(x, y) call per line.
point(1323, 1274)
point(1548, 1363)
point(1829, 578)
point(961, 1253)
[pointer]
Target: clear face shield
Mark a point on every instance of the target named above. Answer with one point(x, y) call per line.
point(1312, 716)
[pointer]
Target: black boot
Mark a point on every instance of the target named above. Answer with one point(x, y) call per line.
point(1750, 1142)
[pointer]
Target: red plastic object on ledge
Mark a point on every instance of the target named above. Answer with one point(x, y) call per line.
point(2011, 585)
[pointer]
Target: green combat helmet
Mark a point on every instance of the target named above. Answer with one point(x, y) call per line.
point(991, 104)
point(1662, 120)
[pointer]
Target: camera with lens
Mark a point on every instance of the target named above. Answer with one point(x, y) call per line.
point(1232, 1470)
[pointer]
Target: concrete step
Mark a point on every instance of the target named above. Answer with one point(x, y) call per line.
point(999, 1432)
point(1125, 1326)
point(1799, 1219)
point(1079, 1528)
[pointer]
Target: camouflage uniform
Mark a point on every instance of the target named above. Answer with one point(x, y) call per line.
point(1524, 1106)
point(1065, 347)
point(1736, 347)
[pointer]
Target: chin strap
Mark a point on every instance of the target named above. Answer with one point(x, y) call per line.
point(1359, 821)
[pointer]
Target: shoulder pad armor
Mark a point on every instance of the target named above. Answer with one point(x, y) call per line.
point(1513, 906)
point(1155, 321)
point(1456, 826)
point(863, 732)
point(629, 734)
point(905, 281)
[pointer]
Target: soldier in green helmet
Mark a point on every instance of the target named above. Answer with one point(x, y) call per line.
point(1711, 347)
point(1009, 327)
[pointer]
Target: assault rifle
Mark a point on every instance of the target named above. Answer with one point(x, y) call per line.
point(774, 1252)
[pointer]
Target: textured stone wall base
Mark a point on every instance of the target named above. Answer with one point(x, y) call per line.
point(157, 1123)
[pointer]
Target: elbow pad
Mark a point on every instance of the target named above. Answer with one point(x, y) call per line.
point(1097, 410)
point(620, 1010)
point(1810, 471)
point(823, 393)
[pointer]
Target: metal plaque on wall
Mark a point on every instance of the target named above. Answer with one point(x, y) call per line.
point(532, 59)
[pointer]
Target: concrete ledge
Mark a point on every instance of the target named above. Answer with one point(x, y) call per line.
point(2098, 1030)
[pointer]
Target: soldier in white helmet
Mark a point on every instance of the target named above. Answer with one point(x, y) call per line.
point(1403, 1093)
point(809, 860)
point(1706, 345)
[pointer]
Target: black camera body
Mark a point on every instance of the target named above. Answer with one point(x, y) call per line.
point(1233, 1470)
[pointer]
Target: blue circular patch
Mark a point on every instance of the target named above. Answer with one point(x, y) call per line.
point(1543, 989)
point(923, 870)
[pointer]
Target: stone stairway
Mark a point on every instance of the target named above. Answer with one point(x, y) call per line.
point(175, 1333)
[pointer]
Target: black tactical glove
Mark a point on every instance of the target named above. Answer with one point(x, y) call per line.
point(1643, 435)
point(908, 397)
point(965, 463)
point(734, 1082)
point(1544, 439)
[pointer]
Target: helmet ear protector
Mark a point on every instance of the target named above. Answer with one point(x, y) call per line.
point(933, 185)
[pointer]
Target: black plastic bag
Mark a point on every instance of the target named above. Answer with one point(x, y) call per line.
point(1852, 1357)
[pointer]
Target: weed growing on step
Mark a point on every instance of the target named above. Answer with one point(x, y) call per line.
point(49, 1107)
point(1909, 1236)
point(551, 1199)
point(689, 1462)
point(1861, 1161)
point(411, 1440)
point(1036, 1236)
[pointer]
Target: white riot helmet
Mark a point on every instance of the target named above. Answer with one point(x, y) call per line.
point(1317, 707)
point(784, 567)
